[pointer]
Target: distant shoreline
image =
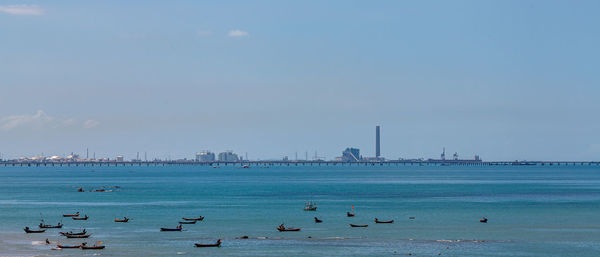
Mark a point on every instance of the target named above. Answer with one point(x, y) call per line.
point(248, 164)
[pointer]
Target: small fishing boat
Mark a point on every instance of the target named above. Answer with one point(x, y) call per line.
point(125, 219)
point(71, 215)
point(188, 222)
point(73, 233)
point(217, 244)
point(199, 218)
point(80, 189)
point(310, 206)
point(27, 230)
point(317, 220)
point(282, 228)
point(383, 221)
point(178, 228)
point(80, 218)
point(484, 220)
point(350, 214)
point(358, 226)
point(68, 246)
point(42, 225)
point(77, 236)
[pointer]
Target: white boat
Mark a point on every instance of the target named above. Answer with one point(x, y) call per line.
point(310, 206)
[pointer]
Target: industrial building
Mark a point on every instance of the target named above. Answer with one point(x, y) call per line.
point(377, 143)
point(205, 156)
point(228, 156)
point(351, 155)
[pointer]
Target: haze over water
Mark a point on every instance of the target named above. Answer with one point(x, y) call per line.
point(532, 211)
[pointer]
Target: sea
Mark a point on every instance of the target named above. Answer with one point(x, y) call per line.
point(531, 210)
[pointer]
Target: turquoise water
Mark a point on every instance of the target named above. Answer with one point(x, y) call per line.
point(532, 211)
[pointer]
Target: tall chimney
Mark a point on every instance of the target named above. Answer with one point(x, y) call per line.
point(377, 143)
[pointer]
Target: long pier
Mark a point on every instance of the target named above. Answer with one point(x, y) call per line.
point(301, 163)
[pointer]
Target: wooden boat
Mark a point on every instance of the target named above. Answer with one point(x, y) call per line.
point(93, 247)
point(27, 230)
point(383, 221)
point(71, 233)
point(188, 222)
point(217, 244)
point(77, 236)
point(125, 219)
point(68, 246)
point(282, 228)
point(317, 220)
point(178, 228)
point(310, 206)
point(358, 226)
point(80, 218)
point(199, 218)
point(484, 220)
point(71, 215)
point(349, 214)
point(42, 225)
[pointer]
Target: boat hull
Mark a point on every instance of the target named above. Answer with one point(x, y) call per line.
point(191, 219)
point(288, 229)
point(28, 231)
point(50, 226)
point(68, 246)
point(170, 229)
point(100, 247)
point(218, 244)
point(77, 236)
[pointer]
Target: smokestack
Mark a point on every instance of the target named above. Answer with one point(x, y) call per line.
point(377, 142)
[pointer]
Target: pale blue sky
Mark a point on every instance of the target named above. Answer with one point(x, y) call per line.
point(503, 79)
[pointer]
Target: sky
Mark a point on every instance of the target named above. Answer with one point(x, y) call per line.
point(506, 80)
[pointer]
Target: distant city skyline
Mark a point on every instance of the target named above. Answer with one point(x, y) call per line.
point(350, 154)
point(505, 80)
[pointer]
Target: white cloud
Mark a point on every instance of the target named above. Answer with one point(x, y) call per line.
point(21, 9)
point(42, 121)
point(237, 33)
point(16, 121)
point(88, 124)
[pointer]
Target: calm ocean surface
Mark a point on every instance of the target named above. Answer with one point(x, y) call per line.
point(532, 211)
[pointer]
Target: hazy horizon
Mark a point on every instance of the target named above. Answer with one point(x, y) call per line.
point(502, 79)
